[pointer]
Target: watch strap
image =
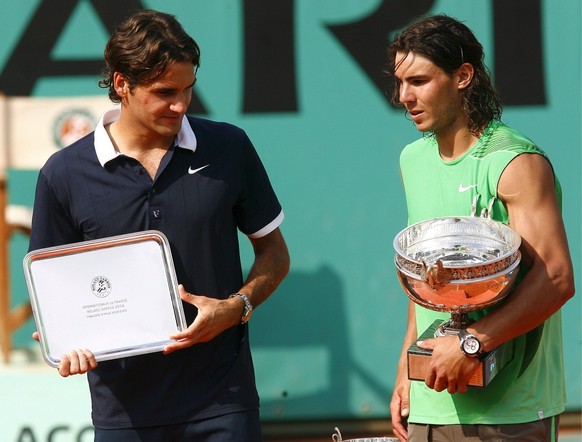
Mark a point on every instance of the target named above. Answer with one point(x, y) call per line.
point(248, 310)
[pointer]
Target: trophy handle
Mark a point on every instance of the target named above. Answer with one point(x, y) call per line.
point(435, 274)
point(485, 212)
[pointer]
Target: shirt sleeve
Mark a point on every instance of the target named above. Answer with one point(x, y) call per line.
point(51, 223)
point(258, 211)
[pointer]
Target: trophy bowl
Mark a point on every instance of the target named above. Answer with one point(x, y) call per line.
point(457, 265)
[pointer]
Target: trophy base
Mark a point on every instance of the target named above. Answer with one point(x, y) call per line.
point(494, 361)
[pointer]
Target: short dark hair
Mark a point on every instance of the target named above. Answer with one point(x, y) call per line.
point(143, 47)
point(448, 43)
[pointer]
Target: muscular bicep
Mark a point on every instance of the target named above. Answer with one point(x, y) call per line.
point(527, 189)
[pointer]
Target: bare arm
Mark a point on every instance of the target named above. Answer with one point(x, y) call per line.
point(271, 265)
point(527, 189)
point(400, 404)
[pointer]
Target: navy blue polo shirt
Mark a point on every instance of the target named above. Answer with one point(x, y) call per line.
point(209, 185)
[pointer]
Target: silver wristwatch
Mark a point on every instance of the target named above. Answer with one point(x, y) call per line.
point(248, 311)
point(470, 345)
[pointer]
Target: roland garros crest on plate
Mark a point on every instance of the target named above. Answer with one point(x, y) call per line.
point(71, 125)
point(101, 286)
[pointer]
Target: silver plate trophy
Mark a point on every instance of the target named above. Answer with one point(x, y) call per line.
point(337, 437)
point(117, 296)
point(457, 265)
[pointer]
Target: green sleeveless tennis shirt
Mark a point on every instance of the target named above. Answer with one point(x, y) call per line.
point(531, 386)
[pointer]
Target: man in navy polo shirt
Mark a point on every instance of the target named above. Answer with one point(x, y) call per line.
point(149, 166)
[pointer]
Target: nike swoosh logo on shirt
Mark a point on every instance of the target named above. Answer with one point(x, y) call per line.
point(193, 171)
point(465, 188)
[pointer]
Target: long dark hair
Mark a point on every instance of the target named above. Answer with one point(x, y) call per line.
point(143, 47)
point(448, 43)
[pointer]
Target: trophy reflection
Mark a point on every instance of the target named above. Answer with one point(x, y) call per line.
point(457, 265)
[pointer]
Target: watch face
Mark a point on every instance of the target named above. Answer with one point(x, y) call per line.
point(471, 346)
point(247, 315)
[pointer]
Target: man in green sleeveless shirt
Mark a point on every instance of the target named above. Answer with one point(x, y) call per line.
point(466, 154)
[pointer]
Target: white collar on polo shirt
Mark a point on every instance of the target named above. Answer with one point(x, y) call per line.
point(106, 151)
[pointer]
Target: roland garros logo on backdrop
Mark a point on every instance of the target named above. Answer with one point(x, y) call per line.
point(72, 124)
